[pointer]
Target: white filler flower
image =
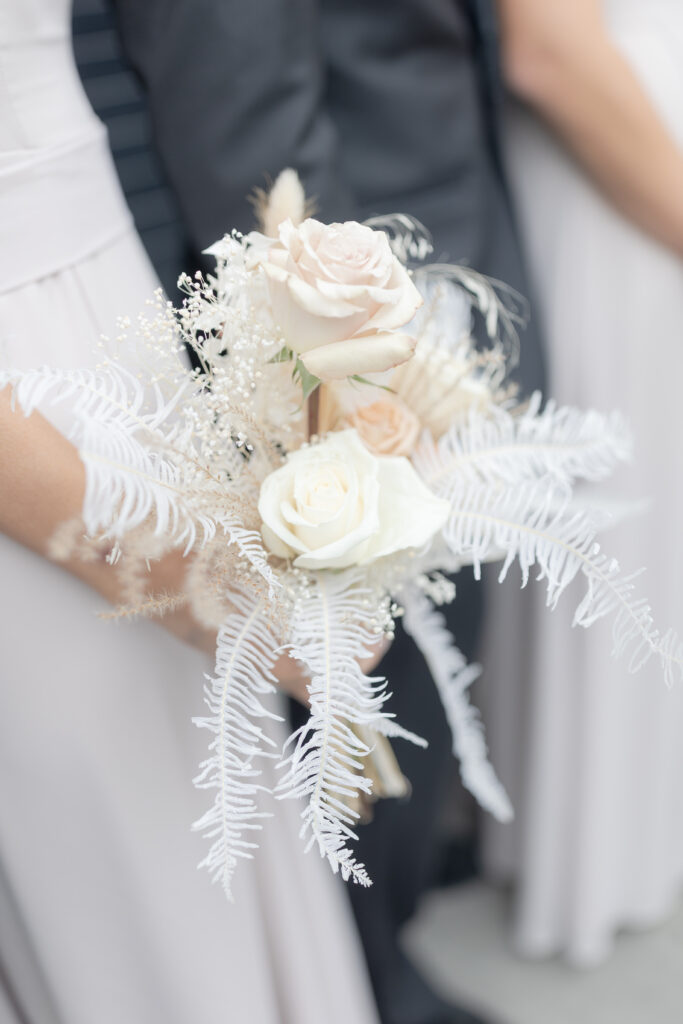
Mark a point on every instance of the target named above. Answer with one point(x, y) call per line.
point(338, 294)
point(334, 504)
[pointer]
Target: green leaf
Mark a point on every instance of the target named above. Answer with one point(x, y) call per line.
point(308, 382)
point(372, 383)
point(285, 355)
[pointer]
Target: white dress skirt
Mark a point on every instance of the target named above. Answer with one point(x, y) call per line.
point(593, 756)
point(104, 918)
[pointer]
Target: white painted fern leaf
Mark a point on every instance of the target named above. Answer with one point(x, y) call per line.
point(502, 308)
point(138, 463)
point(563, 444)
point(127, 478)
point(245, 656)
point(249, 543)
point(453, 677)
point(522, 523)
point(328, 636)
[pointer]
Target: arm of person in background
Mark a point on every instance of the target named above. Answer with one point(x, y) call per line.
point(42, 485)
point(559, 58)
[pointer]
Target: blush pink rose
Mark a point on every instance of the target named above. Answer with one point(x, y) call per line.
point(339, 295)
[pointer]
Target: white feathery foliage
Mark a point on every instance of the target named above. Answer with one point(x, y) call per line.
point(525, 522)
point(140, 461)
point(249, 543)
point(128, 479)
point(324, 767)
point(503, 309)
point(564, 444)
point(389, 727)
point(453, 677)
point(444, 321)
point(408, 238)
point(245, 656)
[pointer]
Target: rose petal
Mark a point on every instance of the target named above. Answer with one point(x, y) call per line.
point(310, 263)
point(301, 328)
point(275, 490)
point(274, 544)
point(389, 316)
point(291, 237)
point(327, 306)
point(370, 354)
point(348, 549)
point(409, 513)
point(386, 425)
point(366, 295)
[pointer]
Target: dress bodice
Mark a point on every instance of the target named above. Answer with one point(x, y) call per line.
point(639, 8)
point(42, 102)
point(60, 199)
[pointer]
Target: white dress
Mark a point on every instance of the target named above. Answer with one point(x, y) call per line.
point(593, 756)
point(104, 918)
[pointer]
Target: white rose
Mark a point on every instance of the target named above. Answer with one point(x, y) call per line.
point(338, 294)
point(334, 504)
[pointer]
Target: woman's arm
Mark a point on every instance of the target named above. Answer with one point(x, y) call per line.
point(558, 57)
point(42, 485)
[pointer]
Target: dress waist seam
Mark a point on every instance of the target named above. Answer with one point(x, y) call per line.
point(58, 208)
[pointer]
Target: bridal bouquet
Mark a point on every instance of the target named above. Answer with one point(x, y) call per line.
point(337, 449)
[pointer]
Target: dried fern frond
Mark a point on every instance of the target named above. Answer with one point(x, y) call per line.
point(503, 309)
point(563, 444)
point(409, 239)
point(329, 636)
point(525, 524)
point(453, 677)
point(245, 656)
point(140, 466)
point(127, 480)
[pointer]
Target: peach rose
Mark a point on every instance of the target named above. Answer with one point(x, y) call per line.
point(386, 426)
point(338, 294)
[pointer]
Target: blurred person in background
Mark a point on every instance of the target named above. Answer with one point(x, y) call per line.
point(593, 756)
point(382, 106)
point(104, 918)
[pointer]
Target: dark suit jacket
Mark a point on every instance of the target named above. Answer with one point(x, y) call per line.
point(381, 105)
